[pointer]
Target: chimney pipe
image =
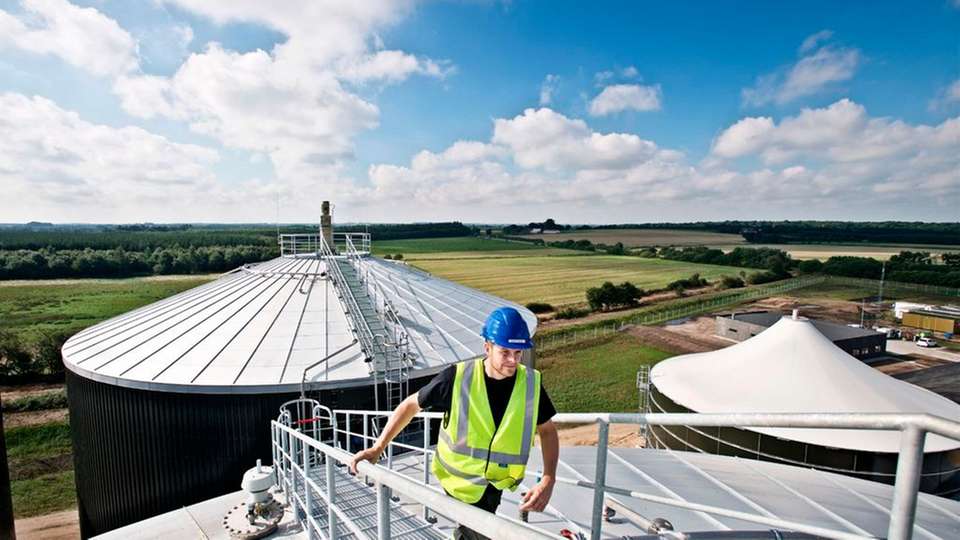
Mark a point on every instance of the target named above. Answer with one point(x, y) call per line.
point(796, 314)
point(326, 223)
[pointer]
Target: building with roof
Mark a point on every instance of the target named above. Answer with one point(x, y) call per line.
point(943, 321)
point(792, 367)
point(857, 342)
point(170, 403)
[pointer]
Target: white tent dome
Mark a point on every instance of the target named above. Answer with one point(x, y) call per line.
point(793, 368)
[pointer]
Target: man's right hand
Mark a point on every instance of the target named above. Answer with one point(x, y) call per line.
point(371, 454)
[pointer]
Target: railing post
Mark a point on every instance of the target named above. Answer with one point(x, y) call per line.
point(383, 512)
point(348, 431)
point(305, 455)
point(909, 465)
point(600, 479)
point(426, 462)
point(331, 492)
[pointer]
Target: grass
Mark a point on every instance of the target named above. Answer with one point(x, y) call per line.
point(39, 441)
point(836, 291)
point(43, 494)
point(30, 309)
point(643, 237)
point(457, 244)
point(600, 375)
point(564, 280)
point(40, 468)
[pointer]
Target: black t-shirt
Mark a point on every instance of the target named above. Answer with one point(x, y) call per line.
point(438, 393)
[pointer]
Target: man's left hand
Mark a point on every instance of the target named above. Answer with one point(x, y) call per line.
point(537, 498)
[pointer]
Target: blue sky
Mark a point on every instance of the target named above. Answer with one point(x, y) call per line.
point(184, 110)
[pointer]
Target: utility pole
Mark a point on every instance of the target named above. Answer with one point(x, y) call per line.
point(863, 306)
point(7, 530)
point(883, 273)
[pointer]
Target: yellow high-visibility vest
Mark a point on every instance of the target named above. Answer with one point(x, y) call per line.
point(470, 452)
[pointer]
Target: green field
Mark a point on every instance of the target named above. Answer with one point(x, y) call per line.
point(455, 244)
point(564, 280)
point(597, 376)
point(67, 306)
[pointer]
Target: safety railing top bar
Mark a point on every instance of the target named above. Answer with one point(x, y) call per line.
point(309, 244)
point(913, 429)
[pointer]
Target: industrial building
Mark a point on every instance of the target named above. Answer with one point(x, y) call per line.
point(171, 403)
point(791, 367)
point(858, 342)
point(939, 320)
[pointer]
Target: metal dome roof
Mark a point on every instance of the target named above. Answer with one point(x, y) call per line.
point(793, 368)
point(255, 330)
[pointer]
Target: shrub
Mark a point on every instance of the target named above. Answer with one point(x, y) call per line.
point(730, 282)
point(812, 266)
point(572, 313)
point(609, 295)
point(14, 358)
point(388, 257)
point(539, 307)
point(691, 282)
point(758, 278)
point(398, 257)
point(48, 358)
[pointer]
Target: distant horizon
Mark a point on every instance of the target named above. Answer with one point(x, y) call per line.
point(466, 223)
point(486, 112)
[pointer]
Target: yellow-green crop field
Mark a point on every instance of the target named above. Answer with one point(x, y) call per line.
point(564, 280)
point(881, 252)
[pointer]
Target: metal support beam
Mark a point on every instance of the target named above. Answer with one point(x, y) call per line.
point(905, 489)
point(600, 479)
point(7, 530)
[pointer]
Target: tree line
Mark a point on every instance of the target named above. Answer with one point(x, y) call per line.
point(49, 263)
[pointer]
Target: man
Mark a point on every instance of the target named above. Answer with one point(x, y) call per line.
point(490, 406)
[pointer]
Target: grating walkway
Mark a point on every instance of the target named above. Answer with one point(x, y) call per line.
point(359, 502)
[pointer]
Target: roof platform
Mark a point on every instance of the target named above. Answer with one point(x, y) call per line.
point(256, 329)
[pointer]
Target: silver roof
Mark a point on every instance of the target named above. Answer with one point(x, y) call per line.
point(255, 330)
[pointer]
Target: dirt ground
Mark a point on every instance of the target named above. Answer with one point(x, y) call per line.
point(33, 418)
point(621, 436)
point(15, 392)
point(693, 336)
point(895, 366)
point(63, 525)
point(839, 311)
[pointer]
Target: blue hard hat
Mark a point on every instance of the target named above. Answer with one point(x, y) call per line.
point(505, 327)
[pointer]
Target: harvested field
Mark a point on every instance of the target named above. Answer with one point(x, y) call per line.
point(564, 280)
point(643, 237)
point(881, 252)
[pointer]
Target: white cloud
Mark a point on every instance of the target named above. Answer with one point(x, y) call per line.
point(813, 40)
point(819, 161)
point(946, 97)
point(548, 88)
point(813, 73)
point(82, 37)
point(630, 72)
point(622, 97)
point(294, 103)
point(50, 157)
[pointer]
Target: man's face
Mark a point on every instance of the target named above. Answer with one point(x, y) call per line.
point(503, 360)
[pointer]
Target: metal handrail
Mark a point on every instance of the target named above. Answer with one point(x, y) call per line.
point(303, 378)
point(913, 428)
point(291, 451)
point(364, 333)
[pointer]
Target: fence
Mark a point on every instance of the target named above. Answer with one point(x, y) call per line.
point(676, 310)
point(294, 453)
point(874, 284)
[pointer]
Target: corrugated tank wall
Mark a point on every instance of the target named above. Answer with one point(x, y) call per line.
point(139, 453)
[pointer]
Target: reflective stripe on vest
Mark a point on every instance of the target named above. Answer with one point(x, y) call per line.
point(463, 468)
